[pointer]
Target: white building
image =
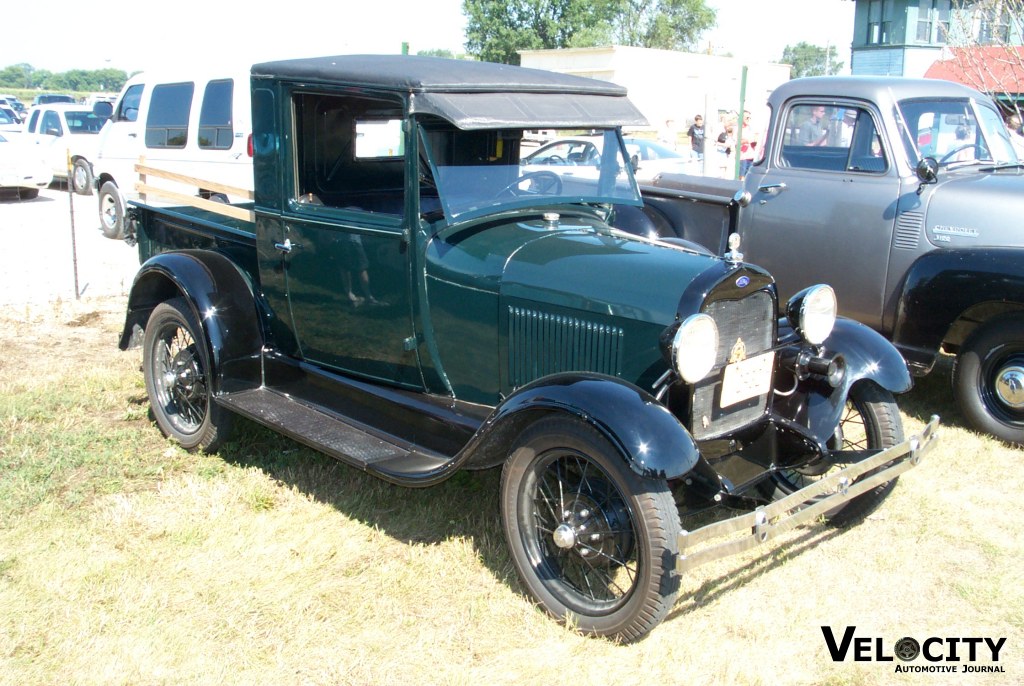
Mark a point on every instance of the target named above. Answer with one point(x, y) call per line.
point(670, 85)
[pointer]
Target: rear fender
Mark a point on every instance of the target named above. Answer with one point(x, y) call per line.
point(647, 436)
point(221, 299)
point(868, 357)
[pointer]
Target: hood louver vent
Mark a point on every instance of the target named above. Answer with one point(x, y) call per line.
point(541, 343)
point(908, 230)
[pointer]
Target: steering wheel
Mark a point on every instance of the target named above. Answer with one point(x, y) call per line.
point(945, 158)
point(543, 181)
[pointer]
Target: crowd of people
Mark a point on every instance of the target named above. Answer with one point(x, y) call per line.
point(719, 142)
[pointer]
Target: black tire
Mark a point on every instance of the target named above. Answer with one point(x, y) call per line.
point(986, 379)
point(111, 211)
point(176, 366)
point(620, 580)
point(870, 421)
point(81, 177)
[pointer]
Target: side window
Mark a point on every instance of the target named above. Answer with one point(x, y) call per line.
point(167, 122)
point(51, 124)
point(215, 123)
point(349, 153)
point(827, 137)
point(128, 108)
point(32, 121)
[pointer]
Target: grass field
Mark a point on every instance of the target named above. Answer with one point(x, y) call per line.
point(124, 560)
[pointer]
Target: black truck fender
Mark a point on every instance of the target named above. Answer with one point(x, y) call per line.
point(648, 437)
point(948, 293)
point(222, 300)
point(867, 356)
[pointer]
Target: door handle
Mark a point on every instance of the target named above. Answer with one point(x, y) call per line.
point(773, 188)
point(287, 246)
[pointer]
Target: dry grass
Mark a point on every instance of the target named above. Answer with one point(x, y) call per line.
point(124, 560)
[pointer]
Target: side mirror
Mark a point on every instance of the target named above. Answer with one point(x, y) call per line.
point(103, 109)
point(927, 171)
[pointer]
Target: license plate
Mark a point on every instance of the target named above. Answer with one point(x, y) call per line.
point(747, 379)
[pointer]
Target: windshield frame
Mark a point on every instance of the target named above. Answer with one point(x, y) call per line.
point(469, 190)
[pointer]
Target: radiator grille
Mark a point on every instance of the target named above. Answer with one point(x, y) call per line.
point(541, 343)
point(752, 322)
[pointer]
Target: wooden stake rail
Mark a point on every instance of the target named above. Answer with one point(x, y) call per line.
point(221, 208)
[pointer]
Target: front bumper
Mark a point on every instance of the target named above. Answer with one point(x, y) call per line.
point(766, 523)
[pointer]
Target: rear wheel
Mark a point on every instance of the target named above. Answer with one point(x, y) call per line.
point(594, 543)
point(870, 421)
point(111, 211)
point(176, 366)
point(988, 379)
point(81, 177)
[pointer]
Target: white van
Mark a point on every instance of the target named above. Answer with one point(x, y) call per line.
point(199, 127)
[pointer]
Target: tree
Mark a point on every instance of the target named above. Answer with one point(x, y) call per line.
point(984, 40)
point(811, 60)
point(665, 24)
point(497, 29)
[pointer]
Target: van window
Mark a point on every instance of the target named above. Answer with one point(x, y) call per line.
point(167, 123)
point(128, 108)
point(215, 126)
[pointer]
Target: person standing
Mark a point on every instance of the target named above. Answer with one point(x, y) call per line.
point(748, 145)
point(696, 134)
point(813, 131)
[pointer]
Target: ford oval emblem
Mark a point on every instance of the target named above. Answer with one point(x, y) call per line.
point(743, 282)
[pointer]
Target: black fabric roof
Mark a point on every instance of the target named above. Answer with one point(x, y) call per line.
point(431, 74)
point(472, 95)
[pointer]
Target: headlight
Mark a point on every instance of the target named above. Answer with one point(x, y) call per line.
point(813, 312)
point(694, 347)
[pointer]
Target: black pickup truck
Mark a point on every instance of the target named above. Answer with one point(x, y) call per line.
point(408, 296)
point(906, 196)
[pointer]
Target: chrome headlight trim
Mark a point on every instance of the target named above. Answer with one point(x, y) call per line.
point(695, 347)
point(813, 312)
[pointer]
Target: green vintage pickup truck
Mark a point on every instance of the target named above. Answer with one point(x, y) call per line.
point(408, 296)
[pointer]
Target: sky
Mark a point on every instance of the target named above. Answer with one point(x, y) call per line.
point(137, 35)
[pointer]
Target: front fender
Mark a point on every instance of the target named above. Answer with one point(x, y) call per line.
point(221, 299)
point(868, 356)
point(648, 436)
point(943, 285)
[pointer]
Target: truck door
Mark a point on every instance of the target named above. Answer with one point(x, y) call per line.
point(823, 206)
point(346, 257)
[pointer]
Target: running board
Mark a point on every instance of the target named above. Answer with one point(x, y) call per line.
point(765, 523)
point(350, 442)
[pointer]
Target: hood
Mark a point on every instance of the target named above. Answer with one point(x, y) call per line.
point(969, 208)
point(607, 274)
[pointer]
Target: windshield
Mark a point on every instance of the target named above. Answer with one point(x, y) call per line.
point(954, 131)
point(482, 172)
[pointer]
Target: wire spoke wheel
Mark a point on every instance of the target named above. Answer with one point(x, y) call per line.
point(582, 532)
point(870, 421)
point(178, 378)
point(594, 543)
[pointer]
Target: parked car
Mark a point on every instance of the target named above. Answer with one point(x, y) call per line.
point(9, 123)
point(22, 172)
point(66, 132)
point(647, 157)
point(15, 105)
point(52, 98)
